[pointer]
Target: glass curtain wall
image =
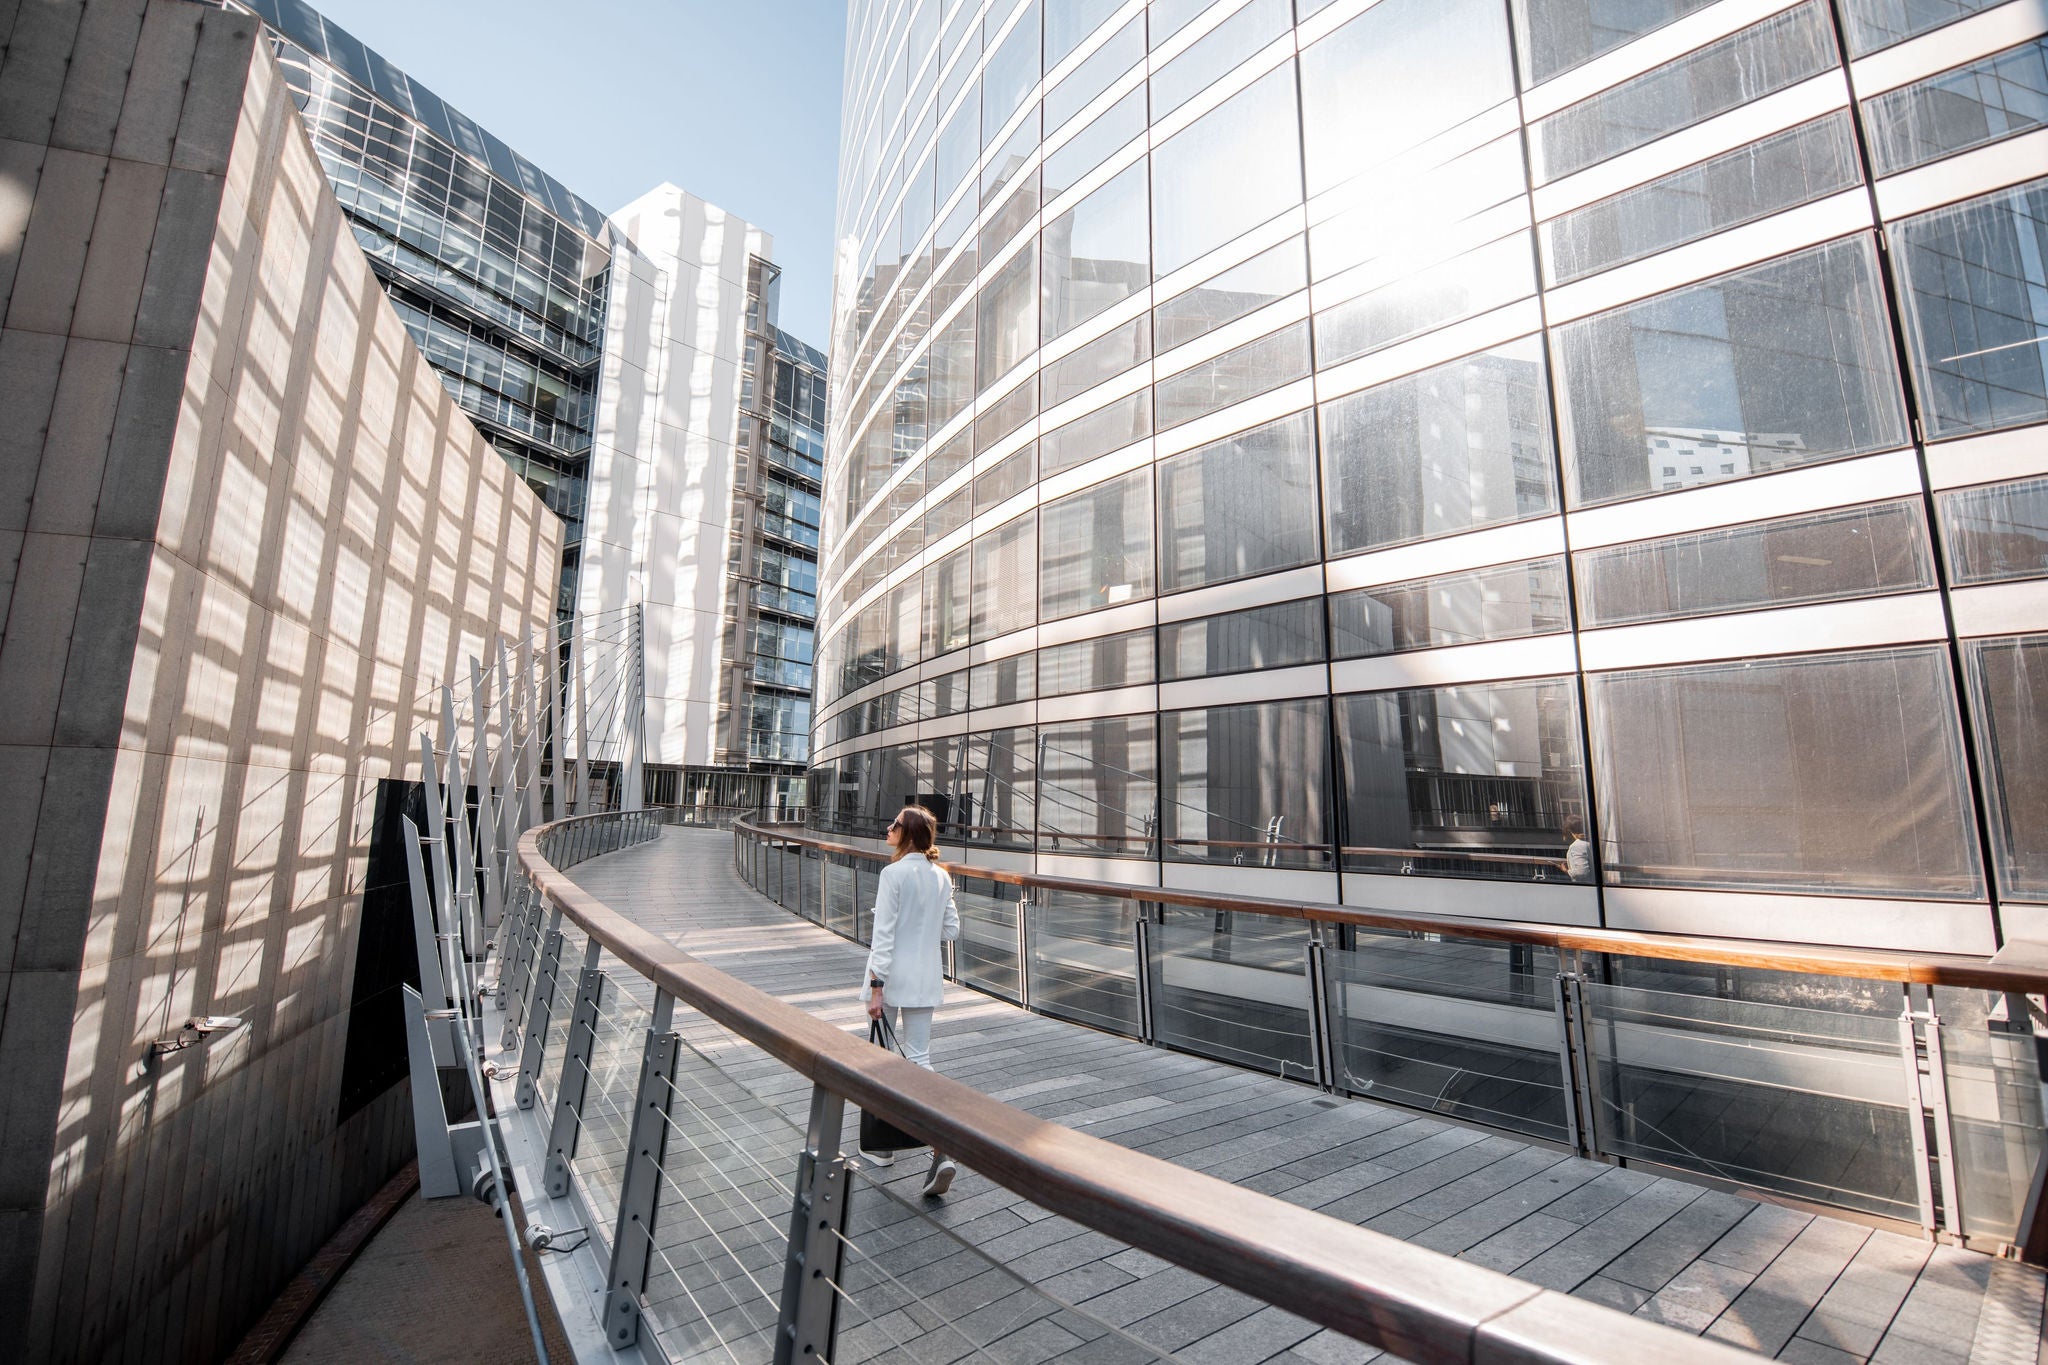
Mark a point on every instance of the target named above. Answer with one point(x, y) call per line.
point(1521, 457)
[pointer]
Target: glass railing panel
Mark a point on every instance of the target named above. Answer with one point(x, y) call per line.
point(867, 882)
point(839, 916)
point(1807, 1102)
point(1084, 958)
point(1994, 1103)
point(721, 1202)
point(807, 884)
point(985, 955)
point(623, 1017)
point(1233, 986)
point(1460, 1027)
point(788, 884)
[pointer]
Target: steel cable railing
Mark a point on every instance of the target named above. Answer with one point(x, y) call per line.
point(690, 1227)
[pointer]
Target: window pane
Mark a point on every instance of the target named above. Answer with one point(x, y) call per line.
point(1217, 53)
point(1247, 784)
point(945, 603)
point(1241, 506)
point(1005, 415)
point(951, 358)
point(1097, 547)
point(995, 799)
point(1859, 553)
point(1251, 369)
point(1503, 603)
point(1006, 327)
point(1557, 35)
point(1010, 72)
point(1095, 665)
point(1775, 173)
point(1010, 476)
point(1106, 429)
point(1095, 75)
point(1483, 780)
point(1096, 253)
point(944, 696)
point(2009, 694)
point(1224, 174)
point(1873, 24)
point(1271, 275)
point(1002, 681)
point(1977, 307)
point(1836, 774)
point(1779, 52)
point(1967, 106)
point(1781, 364)
point(1099, 786)
point(1278, 636)
point(1435, 200)
point(1450, 449)
point(1996, 533)
point(1410, 304)
point(1089, 148)
point(1405, 70)
point(1005, 588)
point(1105, 357)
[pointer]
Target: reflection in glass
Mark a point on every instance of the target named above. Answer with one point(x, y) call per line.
point(1010, 71)
point(1105, 357)
point(1225, 173)
point(1111, 427)
point(1096, 253)
point(1243, 372)
point(1098, 786)
point(1084, 960)
point(1096, 665)
point(1454, 448)
point(1002, 681)
point(1966, 106)
point(1777, 365)
point(1112, 129)
point(1240, 506)
point(1233, 986)
point(1437, 198)
point(1872, 24)
point(1096, 547)
point(1481, 780)
point(1507, 602)
point(1975, 281)
point(1421, 300)
point(1835, 774)
point(987, 784)
point(1557, 35)
point(1281, 635)
point(2009, 697)
point(1094, 75)
point(1779, 52)
point(1996, 533)
point(1005, 584)
point(1271, 275)
point(1217, 53)
point(945, 601)
point(1006, 319)
point(1405, 70)
point(1009, 476)
point(1863, 552)
point(1753, 181)
point(1247, 785)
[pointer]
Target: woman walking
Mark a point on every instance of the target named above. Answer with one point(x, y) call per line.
point(914, 913)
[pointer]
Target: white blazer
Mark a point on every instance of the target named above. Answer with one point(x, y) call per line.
point(914, 911)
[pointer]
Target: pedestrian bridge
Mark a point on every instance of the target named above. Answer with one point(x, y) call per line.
point(677, 1096)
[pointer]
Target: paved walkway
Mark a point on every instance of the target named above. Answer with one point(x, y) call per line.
point(1789, 1284)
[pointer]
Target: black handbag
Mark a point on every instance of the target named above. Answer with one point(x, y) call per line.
point(877, 1134)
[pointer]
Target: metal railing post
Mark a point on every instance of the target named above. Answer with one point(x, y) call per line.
point(546, 918)
point(1916, 1116)
point(538, 1011)
point(633, 1240)
point(1575, 1053)
point(1023, 951)
point(817, 1230)
point(1141, 944)
point(1322, 1023)
point(576, 1055)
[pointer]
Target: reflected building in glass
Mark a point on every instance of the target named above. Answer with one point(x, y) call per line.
point(1347, 451)
point(630, 369)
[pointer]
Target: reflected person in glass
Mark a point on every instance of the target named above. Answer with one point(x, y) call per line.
point(914, 913)
point(1578, 853)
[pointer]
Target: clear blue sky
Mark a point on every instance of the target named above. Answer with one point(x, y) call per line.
point(737, 101)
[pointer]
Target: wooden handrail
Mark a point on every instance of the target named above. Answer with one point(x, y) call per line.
point(1872, 964)
point(1422, 1305)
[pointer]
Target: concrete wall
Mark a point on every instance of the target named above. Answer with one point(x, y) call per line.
point(242, 527)
point(661, 462)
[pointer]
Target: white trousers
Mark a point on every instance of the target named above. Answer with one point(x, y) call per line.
point(913, 1030)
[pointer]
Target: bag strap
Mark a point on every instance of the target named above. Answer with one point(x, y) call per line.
point(882, 1034)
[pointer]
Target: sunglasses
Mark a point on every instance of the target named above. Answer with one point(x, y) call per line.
point(895, 825)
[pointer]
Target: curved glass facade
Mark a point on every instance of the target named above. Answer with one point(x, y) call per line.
point(1537, 459)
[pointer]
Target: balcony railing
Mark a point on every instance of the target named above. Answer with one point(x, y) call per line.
point(1626, 1046)
point(660, 1147)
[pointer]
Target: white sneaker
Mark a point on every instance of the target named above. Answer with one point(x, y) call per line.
point(939, 1178)
point(878, 1158)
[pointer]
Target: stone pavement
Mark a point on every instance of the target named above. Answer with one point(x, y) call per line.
point(1783, 1282)
point(433, 1287)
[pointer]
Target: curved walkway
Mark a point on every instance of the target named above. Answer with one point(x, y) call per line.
point(1785, 1283)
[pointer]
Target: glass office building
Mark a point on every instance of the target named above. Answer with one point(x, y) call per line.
point(1582, 461)
point(497, 269)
